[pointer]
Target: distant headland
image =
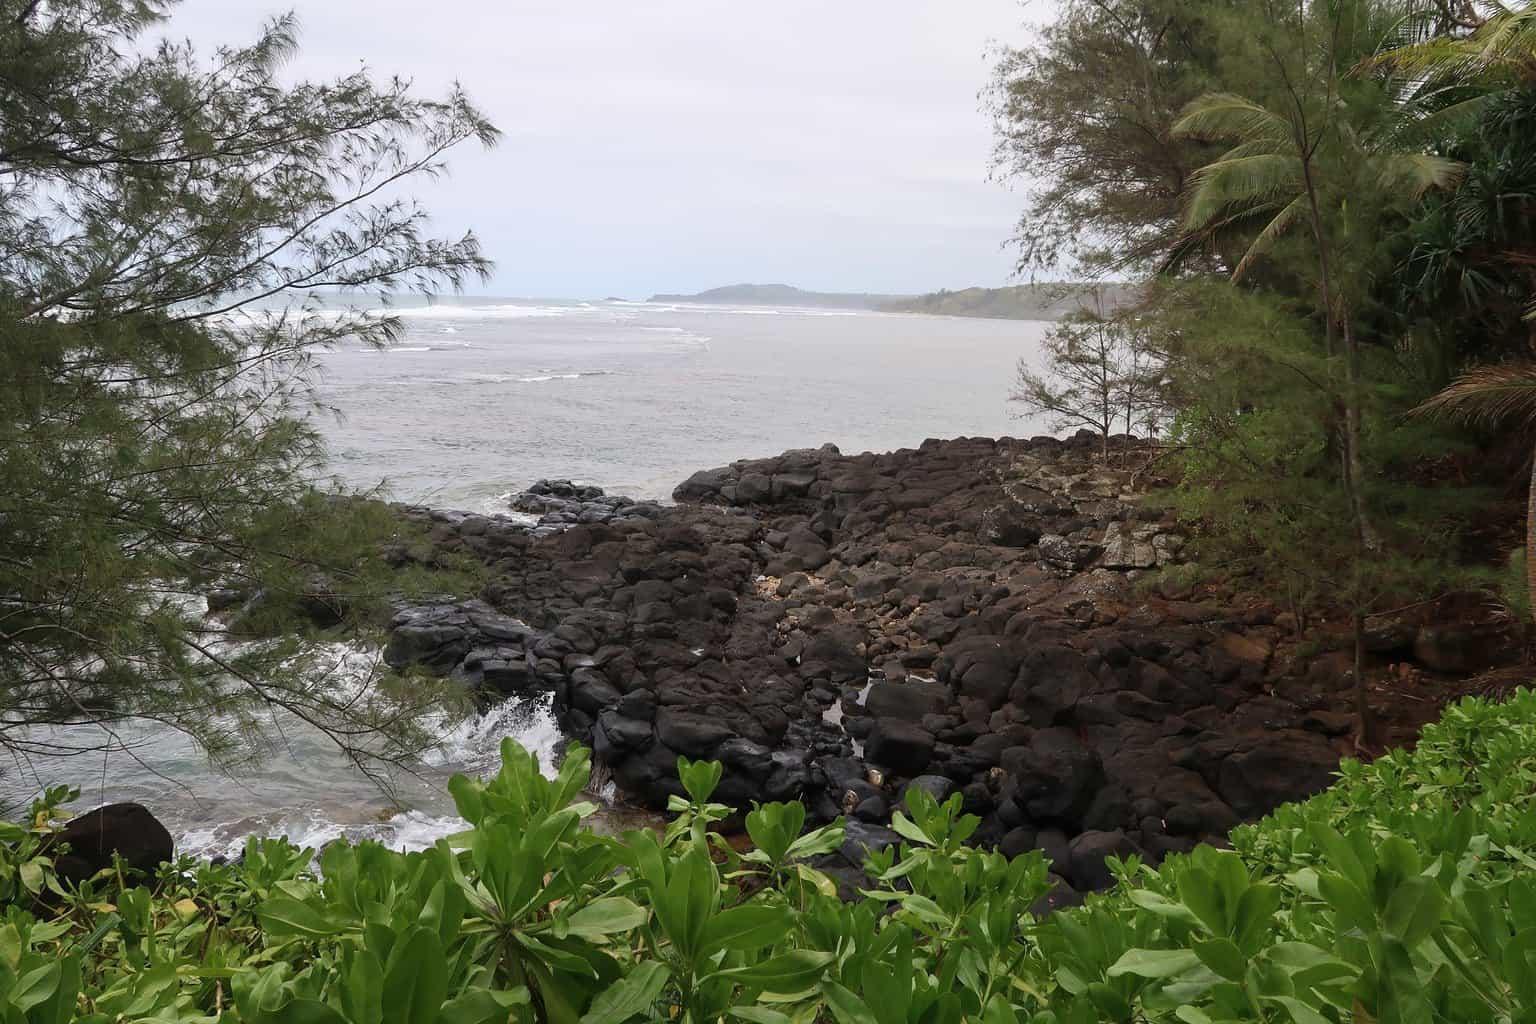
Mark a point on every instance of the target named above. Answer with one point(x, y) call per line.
point(1050, 301)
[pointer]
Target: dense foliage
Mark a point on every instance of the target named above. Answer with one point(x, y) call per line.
point(1407, 892)
point(158, 209)
point(1335, 199)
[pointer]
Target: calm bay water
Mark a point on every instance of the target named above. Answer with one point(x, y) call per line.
point(484, 396)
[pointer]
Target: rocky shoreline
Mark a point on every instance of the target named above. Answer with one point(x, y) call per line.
point(976, 616)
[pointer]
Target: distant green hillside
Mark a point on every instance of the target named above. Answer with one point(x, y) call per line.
point(785, 295)
point(1020, 302)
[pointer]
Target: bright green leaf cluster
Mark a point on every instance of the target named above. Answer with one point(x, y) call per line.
point(1405, 893)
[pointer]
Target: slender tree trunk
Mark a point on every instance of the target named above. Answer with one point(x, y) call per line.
point(1354, 470)
point(1352, 429)
point(1530, 536)
point(1363, 713)
point(1324, 264)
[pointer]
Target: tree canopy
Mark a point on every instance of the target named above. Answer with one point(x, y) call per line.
point(168, 220)
point(1335, 199)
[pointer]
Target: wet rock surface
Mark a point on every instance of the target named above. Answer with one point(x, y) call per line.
point(965, 617)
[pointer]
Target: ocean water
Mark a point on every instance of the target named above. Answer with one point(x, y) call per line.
point(481, 398)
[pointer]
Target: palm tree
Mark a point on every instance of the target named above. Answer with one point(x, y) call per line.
point(1498, 396)
point(1488, 72)
point(1300, 163)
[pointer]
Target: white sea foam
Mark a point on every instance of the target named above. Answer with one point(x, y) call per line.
point(471, 744)
point(474, 743)
point(546, 377)
point(488, 311)
point(495, 312)
point(407, 831)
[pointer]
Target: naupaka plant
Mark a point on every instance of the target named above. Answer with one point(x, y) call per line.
point(1406, 893)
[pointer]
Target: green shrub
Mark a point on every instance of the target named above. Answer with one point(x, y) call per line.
point(1407, 892)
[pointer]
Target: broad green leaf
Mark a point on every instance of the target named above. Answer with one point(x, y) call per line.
point(32, 875)
point(362, 987)
point(1154, 963)
point(816, 880)
point(415, 980)
point(1223, 957)
point(631, 995)
point(908, 829)
point(1413, 910)
point(1162, 906)
point(923, 908)
point(1255, 914)
point(759, 1015)
point(847, 1007)
point(1109, 1002)
point(482, 1006)
point(607, 917)
point(1348, 902)
point(999, 1011)
point(787, 972)
point(36, 986)
point(1300, 1012)
point(308, 1011)
point(752, 926)
point(284, 917)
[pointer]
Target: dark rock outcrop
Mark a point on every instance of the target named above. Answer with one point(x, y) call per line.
point(127, 830)
point(964, 617)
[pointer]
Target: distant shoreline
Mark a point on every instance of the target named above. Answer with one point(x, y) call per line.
point(1018, 302)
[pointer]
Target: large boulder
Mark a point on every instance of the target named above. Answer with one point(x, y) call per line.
point(1278, 768)
point(910, 700)
point(899, 746)
point(860, 840)
point(1055, 777)
point(705, 485)
point(435, 637)
point(127, 830)
point(698, 736)
point(438, 636)
point(1459, 648)
point(1127, 547)
point(1089, 851)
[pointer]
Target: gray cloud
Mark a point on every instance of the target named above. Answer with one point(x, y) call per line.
point(680, 144)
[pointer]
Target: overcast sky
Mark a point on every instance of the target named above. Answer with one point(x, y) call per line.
point(675, 145)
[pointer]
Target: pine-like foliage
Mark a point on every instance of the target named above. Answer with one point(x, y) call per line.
point(165, 220)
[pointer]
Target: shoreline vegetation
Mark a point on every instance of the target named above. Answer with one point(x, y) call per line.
point(1401, 893)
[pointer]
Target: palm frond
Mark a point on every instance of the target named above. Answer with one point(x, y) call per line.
point(1419, 129)
point(1509, 34)
point(1192, 241)
point(1229, 116)
point(1443, 57)
point(1419, 173)
point(1243, 181)
point(1278, 226)
point(1488, 396)
point(1503, 48)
